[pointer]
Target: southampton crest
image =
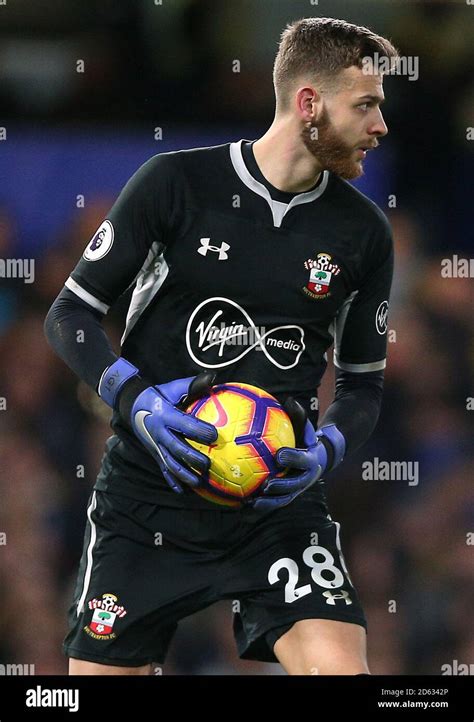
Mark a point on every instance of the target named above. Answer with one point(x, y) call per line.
point(321, 271)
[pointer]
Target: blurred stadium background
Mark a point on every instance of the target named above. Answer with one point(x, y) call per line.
point(73, 135)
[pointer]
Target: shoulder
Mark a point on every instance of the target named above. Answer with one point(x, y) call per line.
point(189, 157)
point(361, 207)
point(174, 169)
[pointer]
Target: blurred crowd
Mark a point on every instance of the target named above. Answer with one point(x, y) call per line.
point(409, 547)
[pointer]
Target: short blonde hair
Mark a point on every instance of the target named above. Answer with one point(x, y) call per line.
point(320, 48)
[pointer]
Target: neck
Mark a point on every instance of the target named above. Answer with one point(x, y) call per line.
point(283, 158)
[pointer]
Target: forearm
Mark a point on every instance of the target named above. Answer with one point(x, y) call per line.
point(356, 407)
point(75, 332)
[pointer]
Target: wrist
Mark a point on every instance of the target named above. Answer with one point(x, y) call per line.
point(114, 379)
point(334, 444)
point(130, 392)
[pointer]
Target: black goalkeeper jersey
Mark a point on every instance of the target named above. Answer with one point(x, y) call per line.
point(228, 279)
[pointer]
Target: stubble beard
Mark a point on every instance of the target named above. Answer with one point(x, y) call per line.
point(333, 154)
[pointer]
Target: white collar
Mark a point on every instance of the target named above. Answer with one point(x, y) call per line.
point(278, 209)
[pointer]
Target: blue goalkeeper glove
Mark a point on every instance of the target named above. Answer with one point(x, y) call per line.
point(311, 460)
point(158, 421)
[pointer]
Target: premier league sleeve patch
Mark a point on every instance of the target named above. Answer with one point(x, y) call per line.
point(101, 242)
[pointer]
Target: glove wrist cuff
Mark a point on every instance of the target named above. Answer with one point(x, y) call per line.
point(130, 392)
point(114, 379)
point(331, 437)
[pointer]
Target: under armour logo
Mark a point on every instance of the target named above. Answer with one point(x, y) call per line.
point(205, 247)
point(331, 597)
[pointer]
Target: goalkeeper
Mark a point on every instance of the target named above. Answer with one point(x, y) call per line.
point(302, 255)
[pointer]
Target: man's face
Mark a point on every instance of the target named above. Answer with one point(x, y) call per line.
point(350, 121)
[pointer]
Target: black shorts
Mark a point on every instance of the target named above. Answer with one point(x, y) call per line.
point(144, 567)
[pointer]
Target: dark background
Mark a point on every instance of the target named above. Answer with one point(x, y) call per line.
point(71, 141)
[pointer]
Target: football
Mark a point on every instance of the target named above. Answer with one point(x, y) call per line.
point(251, 426)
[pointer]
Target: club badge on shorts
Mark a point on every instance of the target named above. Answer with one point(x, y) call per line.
point(321, 271)
point(106, 610)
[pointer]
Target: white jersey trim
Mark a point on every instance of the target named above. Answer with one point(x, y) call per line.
point(338, 328)
point(278, 209)
point(90, 549)
point(148, 282)
point(86, 296)
point(359, 368)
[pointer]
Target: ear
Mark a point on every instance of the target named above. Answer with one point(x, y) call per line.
point(308, 103)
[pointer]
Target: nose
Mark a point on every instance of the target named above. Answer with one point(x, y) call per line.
point(379, 127)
